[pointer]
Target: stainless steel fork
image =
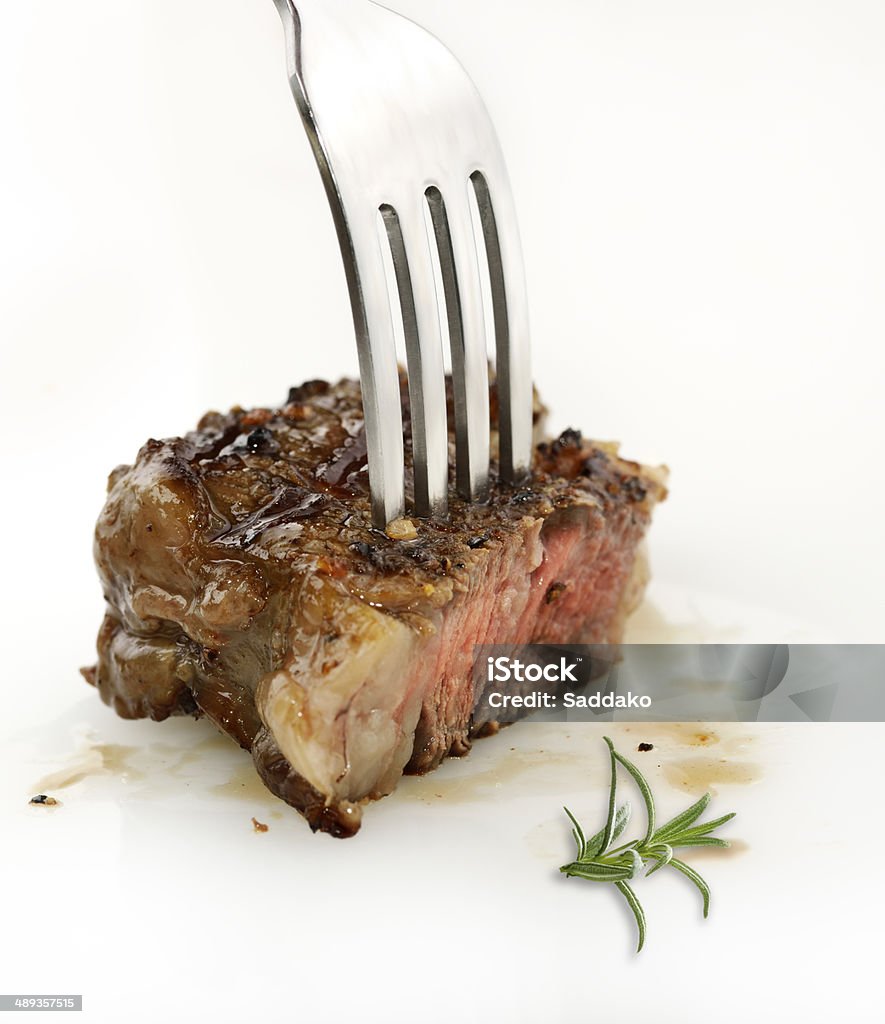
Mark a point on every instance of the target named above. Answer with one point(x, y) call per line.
point(424, 213)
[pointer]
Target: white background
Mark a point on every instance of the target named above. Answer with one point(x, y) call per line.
point(700, 195)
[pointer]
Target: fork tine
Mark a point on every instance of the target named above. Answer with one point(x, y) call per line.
point(409, 246)
point(514, 375)
point(470, 368)
point(379, 374)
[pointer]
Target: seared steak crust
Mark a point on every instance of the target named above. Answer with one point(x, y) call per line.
point(244, 582)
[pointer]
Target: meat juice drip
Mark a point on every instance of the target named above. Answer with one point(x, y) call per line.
point(702, 775)
point(162, 770)
point(245, 784)
point(724, 765)
point(652, 748)
point(690, 734)
point(526, 765)
point(156, 766)
point(98, 759)
point(670, 741)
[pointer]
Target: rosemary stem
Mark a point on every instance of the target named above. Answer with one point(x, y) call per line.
point(597, 863)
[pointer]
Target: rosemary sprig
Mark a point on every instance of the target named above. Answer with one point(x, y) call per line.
point(598, 862)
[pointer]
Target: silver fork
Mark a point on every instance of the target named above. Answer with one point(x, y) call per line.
point(410, 161)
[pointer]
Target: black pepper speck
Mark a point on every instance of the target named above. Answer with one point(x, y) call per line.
point(259, 440)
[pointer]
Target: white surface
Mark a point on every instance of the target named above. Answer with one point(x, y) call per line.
point(699, 187)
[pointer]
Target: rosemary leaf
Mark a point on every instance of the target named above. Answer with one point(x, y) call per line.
point(596, 872)
point(685, 841)
point(577, 832)
point(706, 827)
point(691, 874)
point(638, 912)
point(681, 821)
point(639, 779)
point(594, 843)
point(608, 831)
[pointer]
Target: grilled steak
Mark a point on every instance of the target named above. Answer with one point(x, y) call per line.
point(244, 582)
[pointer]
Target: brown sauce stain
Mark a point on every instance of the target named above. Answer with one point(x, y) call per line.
point(668, 738)
point(117, 760)
point(526, 765)
point(96, 759)
point(703, 774)
point(165, 768)
point(160, 764)
point(175, 761)
point(245, 784)
point(726, 744)
point(686, 734)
